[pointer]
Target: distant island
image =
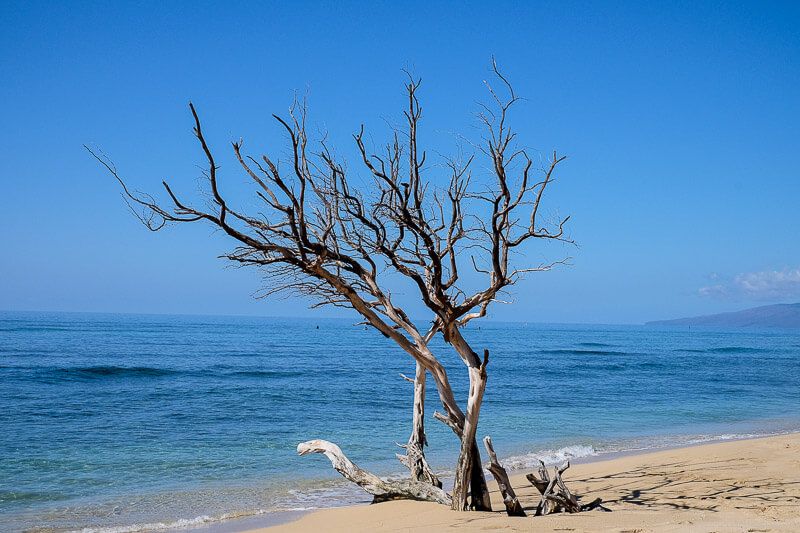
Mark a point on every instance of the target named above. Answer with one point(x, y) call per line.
point(767, 316)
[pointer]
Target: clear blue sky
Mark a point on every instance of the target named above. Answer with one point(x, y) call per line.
point(682, 124)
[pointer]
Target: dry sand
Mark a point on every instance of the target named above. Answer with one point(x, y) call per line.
point(747, 485)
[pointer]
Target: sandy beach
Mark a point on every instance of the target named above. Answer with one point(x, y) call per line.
point(747, 485)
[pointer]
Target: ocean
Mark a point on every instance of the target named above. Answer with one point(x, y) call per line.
point(117, 423)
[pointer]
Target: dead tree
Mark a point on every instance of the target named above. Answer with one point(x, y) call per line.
point(322, 235)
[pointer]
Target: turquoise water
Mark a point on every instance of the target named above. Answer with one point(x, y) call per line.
point(124, 422)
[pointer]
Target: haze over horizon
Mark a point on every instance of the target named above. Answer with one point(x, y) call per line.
point(681, 128)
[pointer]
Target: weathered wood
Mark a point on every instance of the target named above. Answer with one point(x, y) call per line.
point(469, 456)
point(540, 482)
point(414, 458)
point(555, 496)
point(478, 484)
point(546, 505)
point(594, 504)
point(480, 499)
point(543, 471)
point(570, 501)
point(380, 489)
point(513, 507)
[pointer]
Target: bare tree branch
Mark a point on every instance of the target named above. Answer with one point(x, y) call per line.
point(322, 235)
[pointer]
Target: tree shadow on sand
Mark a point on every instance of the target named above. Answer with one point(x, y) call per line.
point(709, 486)
point(693, 485)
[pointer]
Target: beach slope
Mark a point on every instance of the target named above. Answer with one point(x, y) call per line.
point(742, 486)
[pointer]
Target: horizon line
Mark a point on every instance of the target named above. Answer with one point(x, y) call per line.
point(243, 315)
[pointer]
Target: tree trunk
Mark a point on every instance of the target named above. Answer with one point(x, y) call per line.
point(414, 458)
point(380, 489)
point(469, 470)
point(479, 489)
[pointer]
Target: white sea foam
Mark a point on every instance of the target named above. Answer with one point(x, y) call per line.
point(550, 457)
point(307, 498)
point(557, 456)
point(699, 439)
point(180, 523)
point(676, 441)
point(184, 523)
point(332, 494)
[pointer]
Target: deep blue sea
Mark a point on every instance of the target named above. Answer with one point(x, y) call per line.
point(132, 422)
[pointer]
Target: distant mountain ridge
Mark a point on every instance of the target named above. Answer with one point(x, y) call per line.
point(767, 316)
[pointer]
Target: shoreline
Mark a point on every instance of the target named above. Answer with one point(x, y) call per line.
point(585, 477)
point(219, 447)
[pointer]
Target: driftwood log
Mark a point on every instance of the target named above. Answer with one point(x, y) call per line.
point(381, 490)
point(556, 497)
point(513, 507)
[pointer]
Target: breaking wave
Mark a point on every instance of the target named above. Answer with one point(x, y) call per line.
point(549, 457)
